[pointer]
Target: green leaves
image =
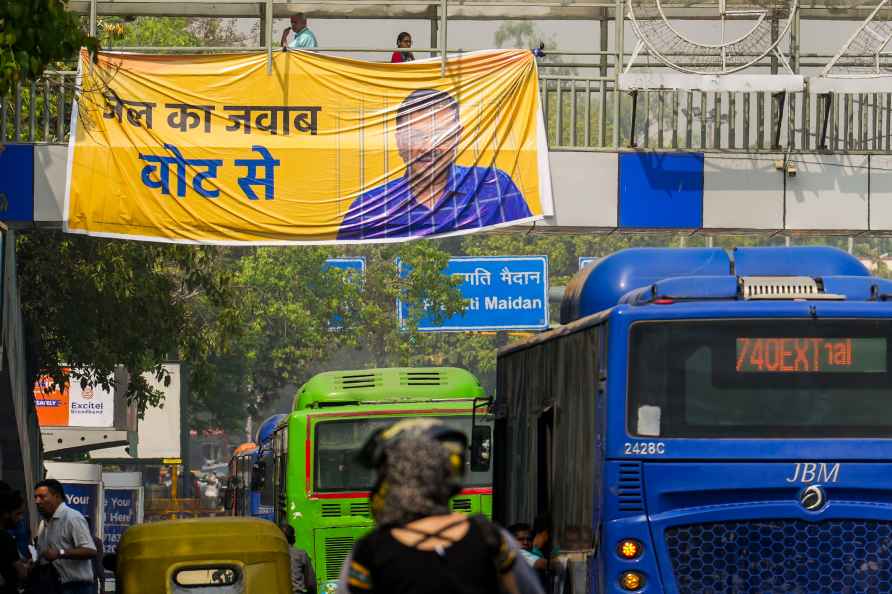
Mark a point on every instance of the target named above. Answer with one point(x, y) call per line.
point(35, 34)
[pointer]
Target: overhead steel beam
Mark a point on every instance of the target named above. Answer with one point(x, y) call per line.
point(469, 10)
point(339, 9)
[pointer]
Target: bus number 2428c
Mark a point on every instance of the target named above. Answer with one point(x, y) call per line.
point(645, 448)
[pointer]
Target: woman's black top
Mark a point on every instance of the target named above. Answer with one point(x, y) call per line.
point(470, 565)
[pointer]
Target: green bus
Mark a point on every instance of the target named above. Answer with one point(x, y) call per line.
point(313, 479)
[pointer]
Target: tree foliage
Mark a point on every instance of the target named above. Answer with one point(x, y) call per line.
point(170, 32)
point(34, 34)
point(299, 318)
point(91, 304)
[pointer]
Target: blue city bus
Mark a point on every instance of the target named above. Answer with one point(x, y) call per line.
point(245, 489)
point(237, 498)
point(263, 498)
point(706, 422)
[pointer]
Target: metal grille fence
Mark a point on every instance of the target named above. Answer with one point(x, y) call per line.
point(579, 115)
point(830, 557)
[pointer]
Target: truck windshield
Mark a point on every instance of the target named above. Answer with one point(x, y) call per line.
point(760, 379)
point(337, 443)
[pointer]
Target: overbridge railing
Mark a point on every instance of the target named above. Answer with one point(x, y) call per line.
point(39, 111)
point(579, 115)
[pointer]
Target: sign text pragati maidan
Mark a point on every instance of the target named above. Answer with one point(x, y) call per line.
point(212, 149)
point(500, 293)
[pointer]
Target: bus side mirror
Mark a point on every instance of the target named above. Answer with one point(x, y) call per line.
point(258, 476)
point(481, 448)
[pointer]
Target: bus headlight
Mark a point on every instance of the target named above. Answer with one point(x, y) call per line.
point(329, 588)
point(629, 549)
point(631, 580)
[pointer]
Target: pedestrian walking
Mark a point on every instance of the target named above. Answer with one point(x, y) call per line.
point(419, 546)
point(98, 569)
point(302, 577)
point(64, 543)
point(404, 42)
point(13, 569)
point(522, 533)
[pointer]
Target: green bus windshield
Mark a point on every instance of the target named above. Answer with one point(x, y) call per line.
point(337, 443)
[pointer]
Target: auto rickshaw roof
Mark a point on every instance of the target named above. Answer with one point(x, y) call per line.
point(244, 539)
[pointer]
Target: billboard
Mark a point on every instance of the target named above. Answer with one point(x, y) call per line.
point(501, 293)
point(121, 512)
point(158, 432)
point(84, 498)
point(73, 405)
point(206, 149)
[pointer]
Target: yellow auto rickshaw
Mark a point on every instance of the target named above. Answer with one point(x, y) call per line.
point(203, 556)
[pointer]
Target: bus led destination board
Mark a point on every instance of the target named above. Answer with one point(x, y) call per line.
point(811, 355)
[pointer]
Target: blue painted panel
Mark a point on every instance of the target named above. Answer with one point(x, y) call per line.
point(17, 182)
point(659, 190)
point(502, 293)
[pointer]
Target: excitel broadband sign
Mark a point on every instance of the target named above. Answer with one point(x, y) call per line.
point(72, 405)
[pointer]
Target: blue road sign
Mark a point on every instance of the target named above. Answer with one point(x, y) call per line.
point(586, 260)
point(358, 264)
point(345, 264)
point(501, 292)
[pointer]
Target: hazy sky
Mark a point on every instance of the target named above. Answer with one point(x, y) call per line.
point(817, 36)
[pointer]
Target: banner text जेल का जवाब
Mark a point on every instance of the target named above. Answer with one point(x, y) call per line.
point(213, 149)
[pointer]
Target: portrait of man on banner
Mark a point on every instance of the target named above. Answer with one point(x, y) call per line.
point(435, 195)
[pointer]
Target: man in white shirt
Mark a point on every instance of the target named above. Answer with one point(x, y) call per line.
point(64, 539)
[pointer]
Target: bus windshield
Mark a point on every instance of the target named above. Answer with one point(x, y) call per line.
point(760, 378)
point(337, 443)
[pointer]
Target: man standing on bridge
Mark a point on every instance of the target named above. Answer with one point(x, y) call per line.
point(64, 540)
point(301, 36)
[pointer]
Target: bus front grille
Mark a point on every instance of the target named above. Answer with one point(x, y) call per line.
point(782, 556)
point(360, 509)
point(353, 381)
point(421, 378)
point(461, 505)
point(331, 510)
point(336, 550)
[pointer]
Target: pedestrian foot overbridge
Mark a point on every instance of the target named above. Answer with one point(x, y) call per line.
point(602, 191)
point(633, 144)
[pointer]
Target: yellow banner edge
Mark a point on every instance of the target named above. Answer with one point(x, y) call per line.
point(72, 141)
point(279, 242)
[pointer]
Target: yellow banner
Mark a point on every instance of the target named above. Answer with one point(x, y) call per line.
point(214, 149)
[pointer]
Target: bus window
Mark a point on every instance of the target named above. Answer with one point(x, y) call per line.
point(337, 443)
point(545, 461)
point(268, 487)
